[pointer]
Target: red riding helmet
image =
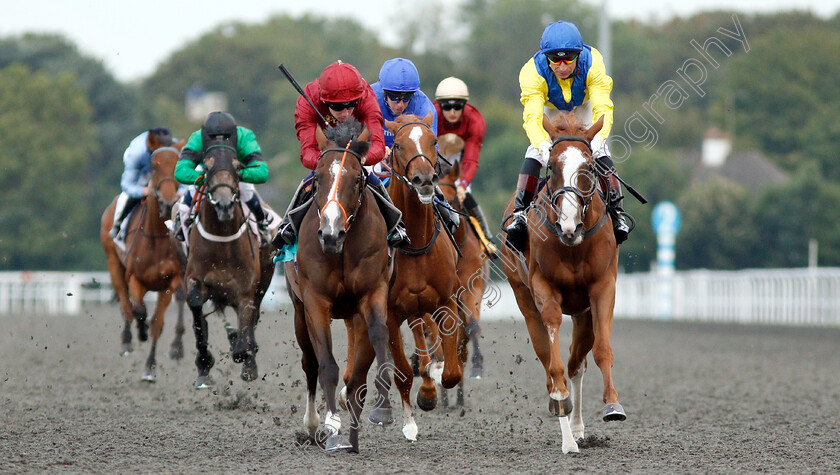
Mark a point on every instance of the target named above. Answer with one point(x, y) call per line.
point(341, 82)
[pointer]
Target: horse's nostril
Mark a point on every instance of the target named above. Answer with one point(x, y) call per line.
point(435, 179)
point(416, 181)
point(341, 234)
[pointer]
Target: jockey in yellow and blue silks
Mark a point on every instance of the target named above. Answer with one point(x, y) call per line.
point(565, 74)
point(221, 126)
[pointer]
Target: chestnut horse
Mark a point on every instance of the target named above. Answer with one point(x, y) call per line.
point(343, 270)
point(472, 269)
point(225, 263)
point(425, 280)
point(149, 262)
point(569, 267)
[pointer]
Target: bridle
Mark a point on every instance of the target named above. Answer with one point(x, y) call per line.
point(585, 197)
point(165, 179)
point(210, 173)
point(348, 218)
point(402, 175)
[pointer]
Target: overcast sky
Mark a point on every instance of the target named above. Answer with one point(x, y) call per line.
point(131, 37)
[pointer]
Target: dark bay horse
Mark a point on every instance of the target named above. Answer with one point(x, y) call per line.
point(425, 280)
point(472, 268)
point(343, 269)
point(149, 262)
point(225, 264)
point(569, 267)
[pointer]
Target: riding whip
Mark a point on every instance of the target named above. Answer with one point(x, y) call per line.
point(300, 91)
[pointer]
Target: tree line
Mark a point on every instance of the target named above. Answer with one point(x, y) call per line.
point(65, 120)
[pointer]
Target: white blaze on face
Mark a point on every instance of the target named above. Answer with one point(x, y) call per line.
point(572, 159)
point(415, 135)
point(332, 211)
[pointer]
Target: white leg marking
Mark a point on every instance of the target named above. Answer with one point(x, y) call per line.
point(436, 371)
point(333, 422)
point(409, 426)
point(577, 413)
point(569, 444)
point(311, 419)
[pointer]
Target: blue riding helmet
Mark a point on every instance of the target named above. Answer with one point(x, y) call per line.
point(399, 75)
point(561, 35)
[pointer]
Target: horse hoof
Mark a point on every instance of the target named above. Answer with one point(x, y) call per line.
point(338, 442)
point(381, 416)
point(426, 404)
point(127, 349)
point(176, 352)
point(555, 409)
point(476, 373)
point(203, 382)
point(149, 376)
point(614, 412)
point(249, 372)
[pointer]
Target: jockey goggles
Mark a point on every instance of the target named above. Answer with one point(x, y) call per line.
point(398, 96)
point(562, 57)
point(340, 106)
point(452, 104)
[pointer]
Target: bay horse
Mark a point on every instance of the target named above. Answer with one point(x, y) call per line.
point(225, 264)
point(149, 261)
point(425, 280)
point(343, 270)
point(569, 266)
point(472, 268)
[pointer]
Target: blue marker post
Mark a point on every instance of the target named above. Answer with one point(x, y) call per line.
point(666, 222)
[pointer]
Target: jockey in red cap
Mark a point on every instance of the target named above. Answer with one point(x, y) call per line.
point(339, 93)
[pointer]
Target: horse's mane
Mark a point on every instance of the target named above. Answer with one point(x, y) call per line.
point(569, 122)
point(404, 119)
point(345, 132)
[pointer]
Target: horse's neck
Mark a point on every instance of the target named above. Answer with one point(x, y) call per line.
point(417, 217)
point(152, 221)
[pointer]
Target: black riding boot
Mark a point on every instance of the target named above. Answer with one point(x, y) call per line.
point(397, 236)
point(287, 231)
point(614, 199)
point(451, 218)
point(474, 210)
point(526, 188)
point(263, 219)
point(130, 203)
point(621, 227)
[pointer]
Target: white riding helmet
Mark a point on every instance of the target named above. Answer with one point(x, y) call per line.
point(452, 88)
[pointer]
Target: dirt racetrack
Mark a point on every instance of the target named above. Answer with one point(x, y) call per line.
point(700, 398)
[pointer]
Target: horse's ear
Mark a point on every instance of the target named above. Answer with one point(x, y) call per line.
point(548, 126)
point(180, 144)
point(428, 119)
point(364, 136)
point(152, 141)
point(321, 138)
point(391, 125)
point(596, 127)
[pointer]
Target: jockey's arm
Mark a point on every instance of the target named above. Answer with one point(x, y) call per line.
point(472, 147)
point(254, 169)
point(185, 169)
point(598, 88)
point(534, 97)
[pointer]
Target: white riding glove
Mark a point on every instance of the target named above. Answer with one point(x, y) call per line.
point(599, 147)
point(545, 151)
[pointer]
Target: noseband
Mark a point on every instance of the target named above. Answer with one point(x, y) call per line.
point(230, 168)
point(586, 198)
point(402, 176)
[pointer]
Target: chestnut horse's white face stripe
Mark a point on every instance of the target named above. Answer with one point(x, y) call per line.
point(415, 135)
point(333, 217)
point(572, 159)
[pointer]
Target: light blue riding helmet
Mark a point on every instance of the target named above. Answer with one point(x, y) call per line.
point(399, 75)
point(561, 36)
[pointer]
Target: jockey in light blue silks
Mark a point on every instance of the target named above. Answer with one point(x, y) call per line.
point(398, 93)
point(138, 171)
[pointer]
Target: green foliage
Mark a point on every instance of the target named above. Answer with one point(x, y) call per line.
point(717, 230)
point(43, 185)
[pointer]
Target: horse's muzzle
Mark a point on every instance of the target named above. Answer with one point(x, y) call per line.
point(332, 243)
